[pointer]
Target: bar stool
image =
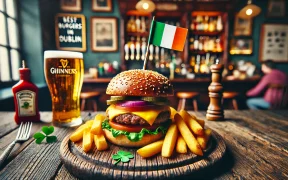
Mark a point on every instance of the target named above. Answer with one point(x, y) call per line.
point(90, 97)
point(231, 96)
point(279, 94)
point(187, 95)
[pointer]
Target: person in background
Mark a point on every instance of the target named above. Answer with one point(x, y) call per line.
point(272, 76)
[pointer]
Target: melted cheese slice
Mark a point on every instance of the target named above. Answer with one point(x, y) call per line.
point(149, 115)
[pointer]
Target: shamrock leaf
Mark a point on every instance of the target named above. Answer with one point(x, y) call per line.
point(48, 130)
point(39, 136)
point(123, 156)
point(50, 139)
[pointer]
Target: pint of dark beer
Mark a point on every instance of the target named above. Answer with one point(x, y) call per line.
point(64, 76)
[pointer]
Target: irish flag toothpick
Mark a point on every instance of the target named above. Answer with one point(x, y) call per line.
point(166, 36)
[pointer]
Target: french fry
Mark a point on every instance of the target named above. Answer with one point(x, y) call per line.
point(188, 137)
point(96, 128)
point(77, 135)
point(201, 122)
point(151, 149)
point(100, 117)
point(169, 141)
point(181, 146)
point(173, 112)
point(87, 140)
point(202, 140)
point(191, 123)
point(100, 142)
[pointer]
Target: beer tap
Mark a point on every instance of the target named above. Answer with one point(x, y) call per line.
point(137, 50)
point(143, 49)
point(162, 52)
point(132, 47)
point(157, 53)
point(126, 49)
point(151, 52)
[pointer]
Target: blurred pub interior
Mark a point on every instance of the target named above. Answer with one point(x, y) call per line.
point(216, 33)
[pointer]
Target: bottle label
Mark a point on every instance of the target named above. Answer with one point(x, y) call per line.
point(26, 103)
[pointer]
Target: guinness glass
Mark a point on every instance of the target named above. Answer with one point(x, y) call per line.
point(64, 76)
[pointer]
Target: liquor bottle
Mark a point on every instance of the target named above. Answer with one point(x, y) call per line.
point(137, 24)
point(192, 62)
point(196, 43)
point(128, 26)
point(219, 25)
point(218, 45)
point(198, 23)
point(212, 25)
point(25, 98)
point(197, 65)
point(133, 24)
point(191, 43)
point(143, 24)
point(200, 45)
point(206, 23)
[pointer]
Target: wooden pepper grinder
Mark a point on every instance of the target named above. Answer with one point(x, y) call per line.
point(215, 109)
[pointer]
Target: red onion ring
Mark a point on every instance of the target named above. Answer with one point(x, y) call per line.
point(135, 103)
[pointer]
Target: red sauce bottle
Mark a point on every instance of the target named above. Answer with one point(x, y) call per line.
point(25, 98)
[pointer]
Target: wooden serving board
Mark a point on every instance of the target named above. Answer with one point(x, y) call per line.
point(100, 165)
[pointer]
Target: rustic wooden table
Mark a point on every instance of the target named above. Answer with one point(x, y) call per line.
point(257, 148)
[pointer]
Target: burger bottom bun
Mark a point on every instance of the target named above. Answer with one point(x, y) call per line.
point(122, 140)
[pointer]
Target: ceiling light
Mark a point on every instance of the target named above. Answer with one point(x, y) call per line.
point(145, 5)
point(249, 11)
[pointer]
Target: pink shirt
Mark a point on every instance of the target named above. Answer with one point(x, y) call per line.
point(274, 77)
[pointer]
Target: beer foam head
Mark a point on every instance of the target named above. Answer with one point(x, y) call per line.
point(62, 54)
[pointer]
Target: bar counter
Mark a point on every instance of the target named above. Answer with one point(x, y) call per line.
point(181, 84)
point(199, 85)
point(256, 148)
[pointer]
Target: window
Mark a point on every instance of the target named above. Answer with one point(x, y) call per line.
point(9, 41)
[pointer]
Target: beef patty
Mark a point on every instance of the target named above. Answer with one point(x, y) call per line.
point(132, 119)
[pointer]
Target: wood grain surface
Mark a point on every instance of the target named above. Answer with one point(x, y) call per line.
point(100, 163)
point(256, 141)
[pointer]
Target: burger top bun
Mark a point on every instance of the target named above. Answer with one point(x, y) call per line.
point(139, 82)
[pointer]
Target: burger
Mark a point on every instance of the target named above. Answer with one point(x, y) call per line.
point(138, 113)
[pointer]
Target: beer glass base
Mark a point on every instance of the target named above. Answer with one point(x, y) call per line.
point(76, 122)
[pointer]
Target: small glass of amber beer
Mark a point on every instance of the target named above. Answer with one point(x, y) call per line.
point(64, 76)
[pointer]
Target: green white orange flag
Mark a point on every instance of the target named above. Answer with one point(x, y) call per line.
point(167, 36)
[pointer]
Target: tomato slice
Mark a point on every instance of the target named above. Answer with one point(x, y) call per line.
point(131, 128)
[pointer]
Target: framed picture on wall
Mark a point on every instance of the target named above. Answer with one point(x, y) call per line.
point(276, 8)
point(102, 5)
point(274, 42)
point(241, 46)
point(71, 5)
point(242, 27)
point(104, 36)
point(70, 32)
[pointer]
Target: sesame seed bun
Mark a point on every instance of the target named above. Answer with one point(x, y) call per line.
point(140, 83)
point(122, 140)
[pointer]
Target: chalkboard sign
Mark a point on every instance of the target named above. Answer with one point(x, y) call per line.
point(70, 32)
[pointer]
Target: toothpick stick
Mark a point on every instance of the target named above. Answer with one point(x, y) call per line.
point(148, 44)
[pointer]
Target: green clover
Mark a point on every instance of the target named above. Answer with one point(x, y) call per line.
point(39, 137)
point(122, 156)
point(25, 105)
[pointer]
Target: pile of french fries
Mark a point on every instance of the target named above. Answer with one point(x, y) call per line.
point(91, 132)
point(186, 130)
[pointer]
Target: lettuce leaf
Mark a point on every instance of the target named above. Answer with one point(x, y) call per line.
point(134, 136)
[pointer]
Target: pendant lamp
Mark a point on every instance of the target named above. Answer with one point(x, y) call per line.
point(145, 5)
point(249, 11)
